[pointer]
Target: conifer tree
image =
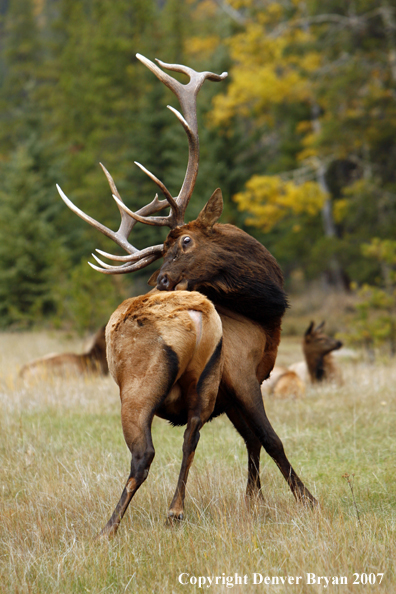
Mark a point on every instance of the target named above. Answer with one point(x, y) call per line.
point(21, 52)
point(31, 253)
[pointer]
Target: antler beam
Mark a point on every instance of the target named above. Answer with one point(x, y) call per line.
point(187, 96)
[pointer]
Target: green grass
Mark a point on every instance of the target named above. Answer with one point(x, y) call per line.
point(63, 464)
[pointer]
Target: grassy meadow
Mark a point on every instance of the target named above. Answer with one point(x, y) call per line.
point(63, 464)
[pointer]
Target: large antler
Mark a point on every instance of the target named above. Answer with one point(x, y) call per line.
point(187, 96)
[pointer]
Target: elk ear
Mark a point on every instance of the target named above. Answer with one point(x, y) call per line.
point(211, 212)
point(320, 326)
point(310, 328)
point(152, 281)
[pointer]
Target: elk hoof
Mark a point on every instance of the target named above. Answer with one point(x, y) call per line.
point(174, 518)
point(107, 533)
point(102, 537)
point(310, 501)
point(254, 496)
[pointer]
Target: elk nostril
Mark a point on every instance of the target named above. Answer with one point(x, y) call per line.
point(163, 281)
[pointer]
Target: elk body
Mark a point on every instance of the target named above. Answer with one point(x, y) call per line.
point(233, 275)
point(92, 362)
point(245, 283)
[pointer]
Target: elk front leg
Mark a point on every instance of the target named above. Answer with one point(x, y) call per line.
point(141, 446)
point(191, 438)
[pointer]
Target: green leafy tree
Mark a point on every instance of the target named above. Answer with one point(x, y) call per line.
point(316, 81)
point(374, 322)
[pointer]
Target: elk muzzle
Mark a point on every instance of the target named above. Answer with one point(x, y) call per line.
point(165, 283)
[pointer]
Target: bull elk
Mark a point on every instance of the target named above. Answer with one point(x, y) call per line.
point(227, 268)
point(92, 362)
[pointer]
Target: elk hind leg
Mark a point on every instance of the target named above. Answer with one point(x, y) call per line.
point(191, 439)
point(256, 417)
point(139, 399)
point(142, 450)
point(202, 396)
point(253, 446)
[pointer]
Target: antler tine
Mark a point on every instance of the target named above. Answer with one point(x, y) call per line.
point(148, 253)
point(127, 223)
point(128, 218)
point(117, 258)
point(159, 221)
point(187, 96)
point(124, 269)
point(120, 237)
point(159, 183)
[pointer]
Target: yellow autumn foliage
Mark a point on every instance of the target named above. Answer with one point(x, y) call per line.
point(201, 47)
point(265, 72)
point(203, 43)
point(340, 210)
point(270, 199)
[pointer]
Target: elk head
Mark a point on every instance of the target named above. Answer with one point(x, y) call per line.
point(316, 342)
point(137, 259)
point(224, 263)
point(188, 245)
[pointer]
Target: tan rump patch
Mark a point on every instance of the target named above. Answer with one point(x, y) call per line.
point(196, 317)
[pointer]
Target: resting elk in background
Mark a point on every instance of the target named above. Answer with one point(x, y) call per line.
point(284, 383)
point(92, 362)
point(239, 276)
point(318, 366)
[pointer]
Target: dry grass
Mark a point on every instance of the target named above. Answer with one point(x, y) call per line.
point(63, 464)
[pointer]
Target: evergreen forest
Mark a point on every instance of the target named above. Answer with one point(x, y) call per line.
point(301, 138)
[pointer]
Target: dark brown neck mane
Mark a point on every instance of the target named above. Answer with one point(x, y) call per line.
point(236, 272)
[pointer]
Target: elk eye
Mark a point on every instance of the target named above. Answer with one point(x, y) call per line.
point(186, 240)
